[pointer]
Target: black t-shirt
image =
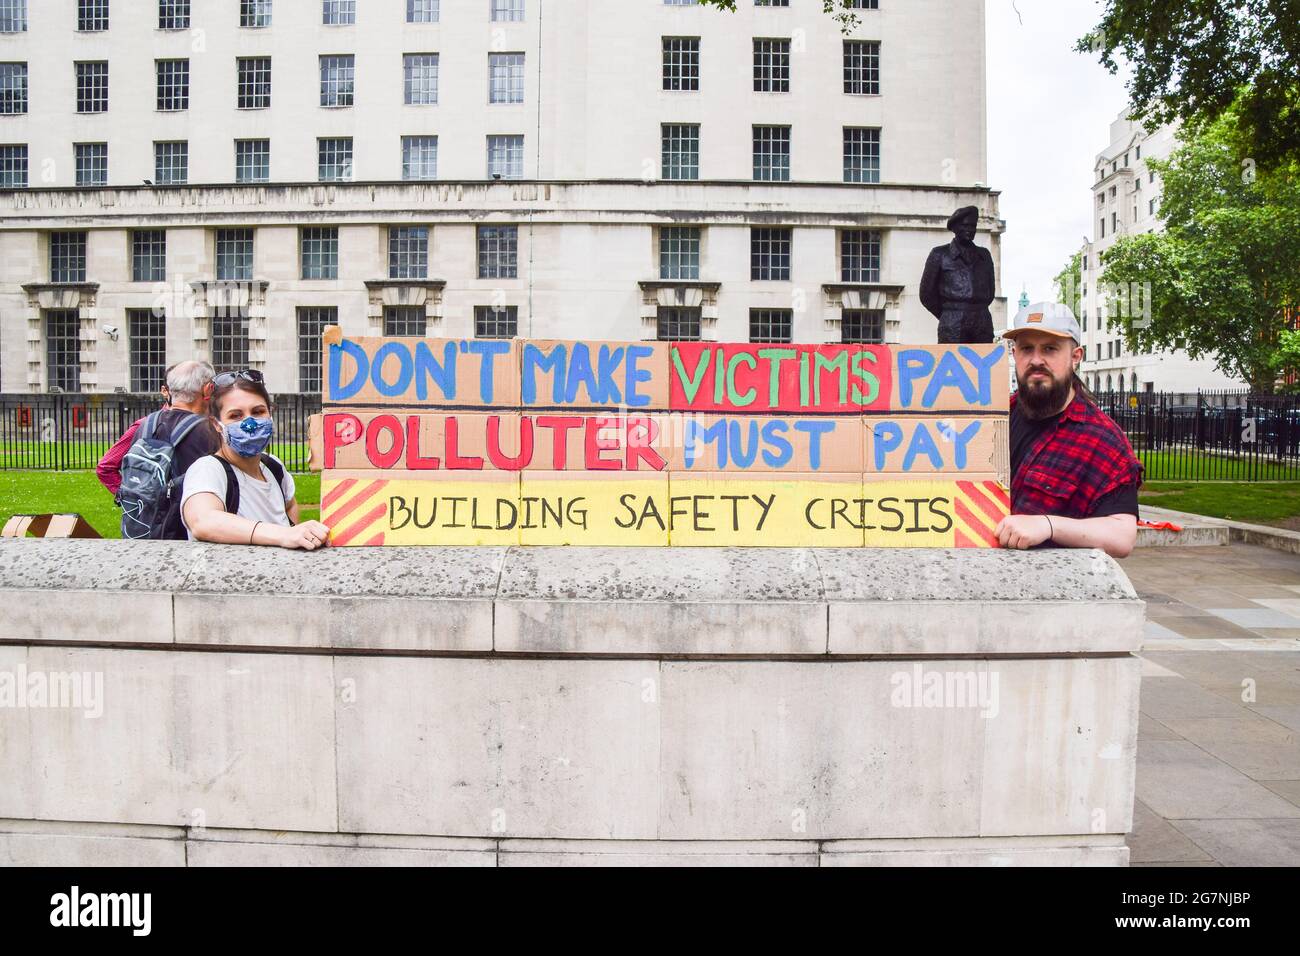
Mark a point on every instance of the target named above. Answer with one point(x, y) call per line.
point(199, 443)
point(1025, 431)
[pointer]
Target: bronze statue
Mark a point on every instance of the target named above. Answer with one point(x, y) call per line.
point(957, 284)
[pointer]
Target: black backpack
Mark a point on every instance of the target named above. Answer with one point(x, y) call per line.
point(148, 471)
point(173, 528)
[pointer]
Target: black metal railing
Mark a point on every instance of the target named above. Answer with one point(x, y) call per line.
point(1198, 436)
point(72, 431)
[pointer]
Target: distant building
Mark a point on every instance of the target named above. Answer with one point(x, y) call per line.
point(1126, 201)
point(222, 180)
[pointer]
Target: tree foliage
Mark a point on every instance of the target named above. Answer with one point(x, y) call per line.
point(1219, 278)
point(1068, 283)
point(1194, 60)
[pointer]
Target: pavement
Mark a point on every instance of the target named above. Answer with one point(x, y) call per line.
point(1218, 770)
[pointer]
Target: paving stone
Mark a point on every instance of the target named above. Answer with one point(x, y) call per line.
point(1155, 840)
point(1260, 748)
point(1285, 788)
point(1256, 617)
point(1246, 842)
point(1174, 697)
point(1180, 781)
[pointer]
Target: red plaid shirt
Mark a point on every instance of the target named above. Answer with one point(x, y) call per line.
point(1072, 465)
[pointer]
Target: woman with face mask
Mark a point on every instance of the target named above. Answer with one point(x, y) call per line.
point(262, 508)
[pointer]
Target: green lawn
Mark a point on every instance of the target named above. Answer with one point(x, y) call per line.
point(39, 492)
point(1194, 465)
point(1274, 503)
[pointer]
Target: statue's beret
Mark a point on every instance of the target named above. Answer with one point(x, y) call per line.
point(965, 212)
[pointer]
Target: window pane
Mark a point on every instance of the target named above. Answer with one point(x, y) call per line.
point(337, 74)
point(13, 166)
point(92, 163)
point(677, 324)
point(861, 66)
point(771, 66)
point(173, 14)
point(498, 252)
point(234, 255)
point(679, 252)
point(421, 11)
point(770, 325)
point(252, 160)
point(92, 15)
point(254, 83)
point(408, 252)
point(420, 78)
point(229, 340)
point(681, 151)
point(13, 88)
point(492, 322)
point(171, 163)
point(772, 153)
point(148, 346)
point(92, 87)
point(681, 63)
point(149, 255)
point(334, 159)
point(769, 254)
point(861, 155)
point(13, 16)
point(505, 157)
point(63, 349)
point(67, 257)
point(320, 253)
point(336, 12)
point(255, 13)
point(859, 255)
point(311, 323)
point(507, 9)
point(505, 77)
point(405, 320)
point(173, 84)
point(862, 326)
point(419, 157)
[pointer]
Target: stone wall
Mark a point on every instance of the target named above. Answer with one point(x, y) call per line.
point(525, 706)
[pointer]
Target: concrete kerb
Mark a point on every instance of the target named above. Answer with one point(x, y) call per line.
point(1206, 530)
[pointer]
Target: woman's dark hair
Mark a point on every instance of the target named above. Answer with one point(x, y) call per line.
point(221, 391)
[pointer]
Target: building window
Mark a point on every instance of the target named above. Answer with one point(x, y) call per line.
point(173, 14)
point(63, 349)
point(772, 153)
point(1101, 225)
point(173, 84)
point(408, 252)
point(92, 15)
point(421, 11)
point(148, 255)
point(677, 324)
point(92, 86)
point(1114, 222)
point(498, 252)
point(771, 66)
point(13, 16)
point(405, 320)
point(679, 252)
point(234, 255)
point(338, 12)
point(320, 252)
point(171, 163)
point(13, 166)
point(770, 325)
point(681, 63)
point(229, 339)
point(337, 73)
point(419, 157)
point(505, 77)
point(255, 13)
point(861, 154)
point(681, 151)
point(91, 163)
point(862, 326)
point(859, 255)
point(13, 88)
point(254, 82)
point(862, 67)
point(420, 78)
point(505, 157)
point(67, 257)
point(771, 3)
point(769, 253)
point(334, 159)
point(252, 160)
point(503, 10)
point(496, 322)
point(312, 321)
point(1151, 207)
point(147, 335)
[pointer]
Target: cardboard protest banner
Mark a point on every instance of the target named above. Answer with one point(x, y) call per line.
point(449, 441)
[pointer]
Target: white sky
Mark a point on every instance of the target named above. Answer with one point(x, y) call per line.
point(1050, 111)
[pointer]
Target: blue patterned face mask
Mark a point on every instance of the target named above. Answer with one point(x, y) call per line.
point(250, 437)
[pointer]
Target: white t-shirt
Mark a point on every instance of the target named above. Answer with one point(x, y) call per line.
point(258, 500)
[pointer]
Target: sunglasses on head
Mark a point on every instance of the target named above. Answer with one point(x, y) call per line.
point(230, 378)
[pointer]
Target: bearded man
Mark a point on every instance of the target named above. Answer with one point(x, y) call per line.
point(1074, 477)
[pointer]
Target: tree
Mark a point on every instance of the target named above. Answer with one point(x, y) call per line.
point(1068, 287)
point(1219, 279)
point(843, 11)
point(1193, 60)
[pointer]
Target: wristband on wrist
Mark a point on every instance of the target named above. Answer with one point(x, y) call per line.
point(1051, 532)
point(253, 532)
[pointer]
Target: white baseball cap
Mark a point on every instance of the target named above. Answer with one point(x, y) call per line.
point(1053, 318)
